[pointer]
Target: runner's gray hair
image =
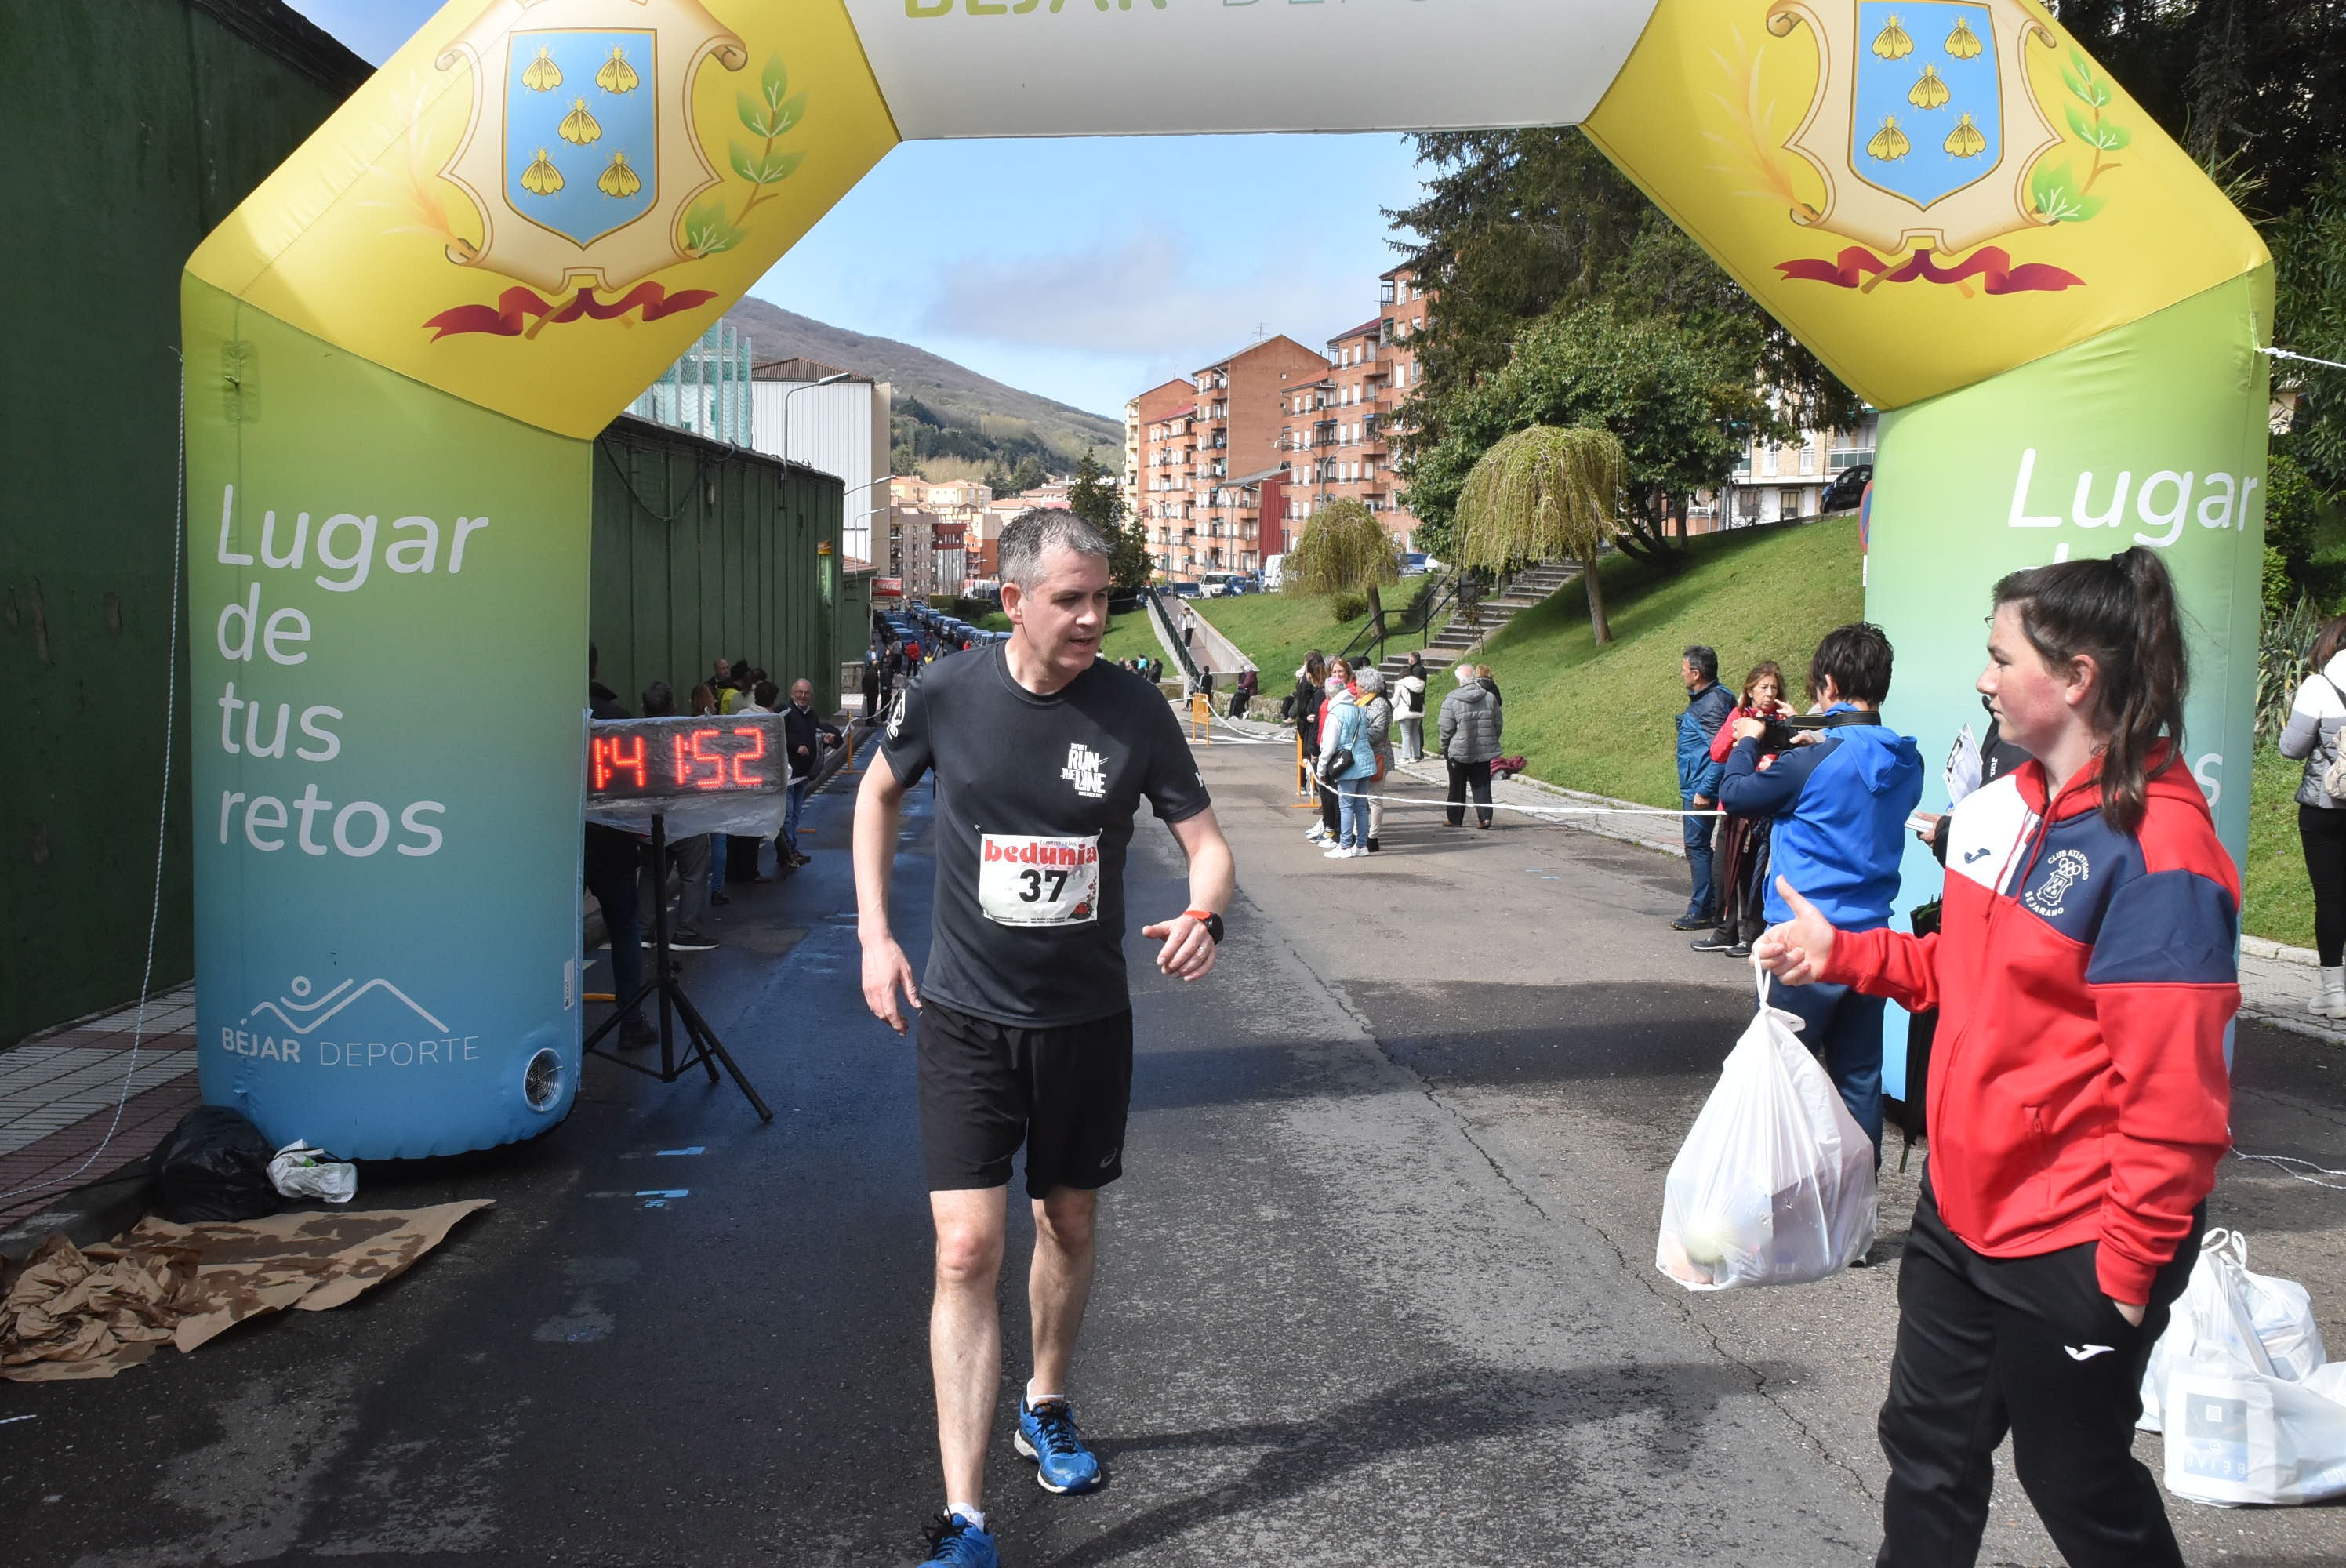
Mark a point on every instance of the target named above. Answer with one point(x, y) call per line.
point(1035, 533)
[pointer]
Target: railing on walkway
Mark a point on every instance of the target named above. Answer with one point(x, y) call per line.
point(1418, 620)
point(1172, 634)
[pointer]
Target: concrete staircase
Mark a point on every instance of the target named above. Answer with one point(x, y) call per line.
point(1533, 585)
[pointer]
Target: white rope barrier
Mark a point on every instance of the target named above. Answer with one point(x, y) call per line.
point(2302, 359)
point(2285, 1161)
point(1414, 802)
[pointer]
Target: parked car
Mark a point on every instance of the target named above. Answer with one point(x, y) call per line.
point(1186, 590)
point(1274, 573)
point(1415, 562)
point(1845, 491)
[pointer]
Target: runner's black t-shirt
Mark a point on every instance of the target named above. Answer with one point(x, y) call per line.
point(1036, 802)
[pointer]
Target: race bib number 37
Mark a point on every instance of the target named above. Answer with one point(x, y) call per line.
point(1026, 881)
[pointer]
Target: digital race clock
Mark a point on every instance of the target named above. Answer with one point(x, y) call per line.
point(684, 758)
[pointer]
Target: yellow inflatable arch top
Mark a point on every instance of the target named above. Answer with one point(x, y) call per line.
point(400, 347)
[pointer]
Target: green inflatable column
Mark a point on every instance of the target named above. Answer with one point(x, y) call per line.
point(386, 598)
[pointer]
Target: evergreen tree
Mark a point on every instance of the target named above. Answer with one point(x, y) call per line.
point(1521, 230)
point(1095, 496)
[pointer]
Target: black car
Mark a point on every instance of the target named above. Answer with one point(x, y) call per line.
point(1845, 491)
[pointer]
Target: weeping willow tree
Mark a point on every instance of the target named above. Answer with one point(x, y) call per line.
point(1542, 493)
point(1344, 550)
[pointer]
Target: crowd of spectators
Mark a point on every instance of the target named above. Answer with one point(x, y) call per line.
point(619, 869)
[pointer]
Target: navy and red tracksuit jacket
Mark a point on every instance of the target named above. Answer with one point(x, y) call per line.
point(2084, 978)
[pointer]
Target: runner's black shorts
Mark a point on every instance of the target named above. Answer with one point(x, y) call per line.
point(989, 1087)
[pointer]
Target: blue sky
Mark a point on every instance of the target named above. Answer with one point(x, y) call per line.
point(1087, 270)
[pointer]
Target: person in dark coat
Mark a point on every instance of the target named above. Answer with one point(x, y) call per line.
point(806, 736)
point(1467, 731)
point(1243, 694)
point(1707, 705)
point(613, 862)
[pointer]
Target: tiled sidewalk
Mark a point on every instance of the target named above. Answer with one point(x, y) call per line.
point(58, 1093)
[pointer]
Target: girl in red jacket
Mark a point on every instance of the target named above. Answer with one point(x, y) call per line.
point(2078, 1098)
point(1738, 874)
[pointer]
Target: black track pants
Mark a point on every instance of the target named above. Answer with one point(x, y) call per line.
point(2322, 830)
point(2029, 1346)
point(1464, 777)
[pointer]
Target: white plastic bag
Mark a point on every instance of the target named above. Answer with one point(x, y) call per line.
point(301, 1171)
point(1775, 1183)
point(2235, 1436)
point(2262, 1324)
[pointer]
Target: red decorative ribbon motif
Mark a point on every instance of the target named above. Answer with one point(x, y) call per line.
point(1991, 264)
point(510, 316)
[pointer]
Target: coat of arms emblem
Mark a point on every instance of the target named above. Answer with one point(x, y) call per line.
point(581, 155)
point(1930, 140)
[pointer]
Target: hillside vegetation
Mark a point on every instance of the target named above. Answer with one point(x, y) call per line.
point(971, 418)
point(1601, 720)
point(1277, 630)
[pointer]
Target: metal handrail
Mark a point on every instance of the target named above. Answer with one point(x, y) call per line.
point(1172, 633)
point(1376, 631)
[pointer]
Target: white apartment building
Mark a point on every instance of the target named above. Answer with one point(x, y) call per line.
point(1131, 484)
point(835, 421)
point(1772, 483)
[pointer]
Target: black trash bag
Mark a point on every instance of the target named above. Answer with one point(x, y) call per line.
point(214, 1166)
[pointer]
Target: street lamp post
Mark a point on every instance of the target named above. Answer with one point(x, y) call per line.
point(870, 511)
point(810, 386)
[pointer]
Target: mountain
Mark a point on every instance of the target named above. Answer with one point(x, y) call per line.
point(1002, 419)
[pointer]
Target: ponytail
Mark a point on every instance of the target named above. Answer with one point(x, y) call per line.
point(2120, 613)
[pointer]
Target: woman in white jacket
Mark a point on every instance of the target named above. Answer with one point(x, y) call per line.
point(2315, 719)
point(1409, 709)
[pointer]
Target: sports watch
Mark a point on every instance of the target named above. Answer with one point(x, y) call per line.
point(1211, 920)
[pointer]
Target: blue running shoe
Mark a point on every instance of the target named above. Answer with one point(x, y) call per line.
point(954, 1540)
point(1048, 1435)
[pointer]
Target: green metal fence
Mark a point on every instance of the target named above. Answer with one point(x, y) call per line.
point(704, 551)
point(134, 126)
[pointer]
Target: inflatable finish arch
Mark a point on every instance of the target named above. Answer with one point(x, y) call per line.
point(400, 347)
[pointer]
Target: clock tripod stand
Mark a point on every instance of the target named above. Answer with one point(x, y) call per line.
point(702, 1049)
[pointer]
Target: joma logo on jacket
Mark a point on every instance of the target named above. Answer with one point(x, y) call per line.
point(2085, 977)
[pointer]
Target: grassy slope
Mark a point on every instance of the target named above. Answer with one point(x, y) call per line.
point(2280, 902)
point(1277, 630)
point(1602, 720)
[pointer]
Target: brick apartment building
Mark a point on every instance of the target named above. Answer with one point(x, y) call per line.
point(1157, 483)
point(1224, 468)
point(1240, 446)
point(1212, 455)
point(1340, 432)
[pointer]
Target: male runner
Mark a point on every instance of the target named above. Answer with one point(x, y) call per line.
point(1042, 753)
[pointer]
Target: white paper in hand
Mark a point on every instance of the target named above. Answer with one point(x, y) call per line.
point(1963, 768)
point(1775, 1183)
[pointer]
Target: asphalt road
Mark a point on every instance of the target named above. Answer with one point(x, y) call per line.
point(1377, 1288)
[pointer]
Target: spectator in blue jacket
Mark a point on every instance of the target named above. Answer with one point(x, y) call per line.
point(1839, 804)
point(1707, 705)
